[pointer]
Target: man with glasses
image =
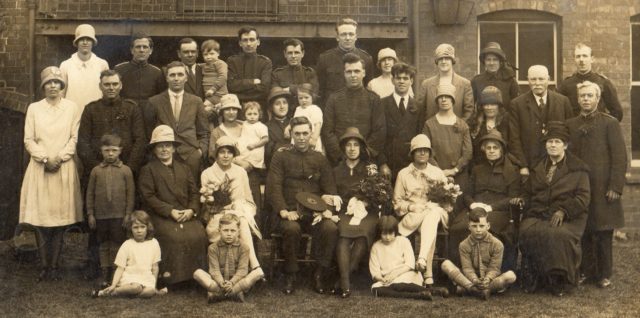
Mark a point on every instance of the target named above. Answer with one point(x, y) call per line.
point(141, 80)
point(249, 74)
point(330, 68)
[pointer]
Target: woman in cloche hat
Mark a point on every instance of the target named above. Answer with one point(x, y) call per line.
point(496, 72)
point(170, 196)
point(50, 197)
point(411, 204)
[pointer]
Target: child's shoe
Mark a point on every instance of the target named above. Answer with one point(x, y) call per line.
point(426, 295)
point(460, 291)
point(213, 298)
point(162, 291)
point(440, 291)
point(421, 265)
point(484, 294)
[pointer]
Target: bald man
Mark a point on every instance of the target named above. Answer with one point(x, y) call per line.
point(530, 113)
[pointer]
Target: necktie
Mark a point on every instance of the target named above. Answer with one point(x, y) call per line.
point(177, 106)
point(401, 106)
point(542, 104)
point(227, 263)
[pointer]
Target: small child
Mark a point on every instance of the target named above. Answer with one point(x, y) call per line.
point(392, 264)
point(255, 135)
point(137, 261)
point(481, 258)
point(228, 264)
point(214, 73)
point(110, 199)
point(307, 109)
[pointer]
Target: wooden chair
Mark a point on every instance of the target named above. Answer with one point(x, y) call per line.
point(305, 254)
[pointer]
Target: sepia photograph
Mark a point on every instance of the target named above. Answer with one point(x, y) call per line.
point(319, 158)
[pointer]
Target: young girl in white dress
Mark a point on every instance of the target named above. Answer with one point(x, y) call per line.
point(137, 261)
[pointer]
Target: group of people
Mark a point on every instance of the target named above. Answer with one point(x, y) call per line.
point(180, 157)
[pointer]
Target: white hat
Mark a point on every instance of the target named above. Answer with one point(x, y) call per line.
point(446, 90)
point(420, 141)
point(385, 53)
point(85, 31)
point(163, 133)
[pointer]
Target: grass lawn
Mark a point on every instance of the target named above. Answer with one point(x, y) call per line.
point(22, 296)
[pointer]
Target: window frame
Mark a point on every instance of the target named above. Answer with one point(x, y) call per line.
point(516, 24)
point(635, 21)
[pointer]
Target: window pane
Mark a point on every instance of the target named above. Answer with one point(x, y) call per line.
point(503, 33)
point(536, 47)
point(635, 52)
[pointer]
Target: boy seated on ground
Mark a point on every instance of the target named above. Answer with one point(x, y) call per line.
point(228, 275)
point(481, 259)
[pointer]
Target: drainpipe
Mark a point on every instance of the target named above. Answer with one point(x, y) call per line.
point(32, 5)
point(414, 38)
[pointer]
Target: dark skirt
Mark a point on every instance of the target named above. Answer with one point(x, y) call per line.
point(367, 227)
point(183, 247)
point(553, 249)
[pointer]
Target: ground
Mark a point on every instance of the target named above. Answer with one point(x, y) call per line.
point(22, 296)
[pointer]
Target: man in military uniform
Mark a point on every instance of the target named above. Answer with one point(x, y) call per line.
point(330, 67)
point(294, 73)
point(609, 102)
point(111, 114)
point(597, 139)
point(141, 80)
point(299, 169)
point(354, 106)
point(188, 54)
point(249, 74)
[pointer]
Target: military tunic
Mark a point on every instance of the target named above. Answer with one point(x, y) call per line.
point(330, 69)
point(292, 76)
point(609, 97)
point(243, 69)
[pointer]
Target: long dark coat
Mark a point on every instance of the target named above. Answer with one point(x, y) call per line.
point(597, 140)
point(400, 129)
point(526, 122)
point(183, 245)
point(549, 248)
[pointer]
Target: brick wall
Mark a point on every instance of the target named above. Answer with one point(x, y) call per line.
point(14, 32)
point(602, 24)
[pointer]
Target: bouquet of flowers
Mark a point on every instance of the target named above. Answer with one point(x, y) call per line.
point(375, 190)
point(215, 196)
point(443, 193)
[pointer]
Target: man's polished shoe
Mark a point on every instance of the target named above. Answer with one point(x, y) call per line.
point(605, 283)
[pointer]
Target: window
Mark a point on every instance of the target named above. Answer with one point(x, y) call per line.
point(527, 37)
point(635, 91)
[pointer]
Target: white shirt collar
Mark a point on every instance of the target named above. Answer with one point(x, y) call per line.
point(544, 98)
point(397, 97)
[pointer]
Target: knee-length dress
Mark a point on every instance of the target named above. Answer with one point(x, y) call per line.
point(346, 178)
point(184, 245)
point(51, 198)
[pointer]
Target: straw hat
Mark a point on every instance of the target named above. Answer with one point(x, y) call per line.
point(445, 50)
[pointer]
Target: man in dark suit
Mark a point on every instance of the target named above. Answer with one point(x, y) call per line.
point(188, 54)
point(530, 113)
point(185, 114)
point(403, 118)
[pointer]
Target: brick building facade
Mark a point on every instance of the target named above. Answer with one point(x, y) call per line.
point(541, 31)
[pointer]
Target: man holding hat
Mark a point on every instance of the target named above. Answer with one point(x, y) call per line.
point(185, 114)
point(497, 72)
point(529, 115)
point(82, 70)
point(597, 139)
point(294, 170)
point(445, 58)
point(290, 76)
point(609, 102)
